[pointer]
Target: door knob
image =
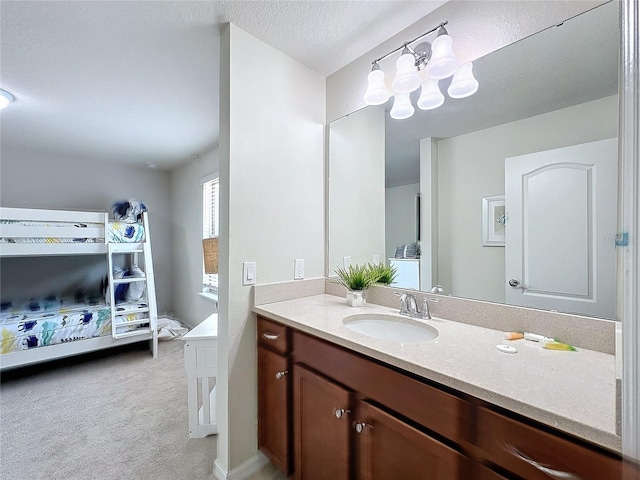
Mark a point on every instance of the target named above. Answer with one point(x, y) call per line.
point(516, 284)
point(279, 375)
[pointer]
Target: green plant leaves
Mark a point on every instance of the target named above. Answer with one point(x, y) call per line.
point(386, 274)
point(356, 277)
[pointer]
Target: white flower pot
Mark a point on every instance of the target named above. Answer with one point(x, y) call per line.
point(355, 298)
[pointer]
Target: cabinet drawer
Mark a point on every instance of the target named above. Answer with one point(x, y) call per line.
point(273, 335)
point(480, 472)
point(531, 453)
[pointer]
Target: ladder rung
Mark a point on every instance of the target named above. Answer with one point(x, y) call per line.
point(133, 333)
point(130, 310)
point(125, 247)
point(132, 322)
point(117, 281)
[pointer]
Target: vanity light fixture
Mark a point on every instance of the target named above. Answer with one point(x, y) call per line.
point(422, 66)
point(5, 98)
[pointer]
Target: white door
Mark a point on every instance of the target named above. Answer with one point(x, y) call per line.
point(561, 224)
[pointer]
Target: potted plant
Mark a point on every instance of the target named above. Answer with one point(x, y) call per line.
point(385, 274)
point(356, 279)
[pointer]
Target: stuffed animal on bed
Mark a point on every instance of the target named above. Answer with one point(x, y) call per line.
point(128, 211)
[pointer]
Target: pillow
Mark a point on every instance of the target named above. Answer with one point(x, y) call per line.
point(121, 289)
point(128, 211)
point(136, 289)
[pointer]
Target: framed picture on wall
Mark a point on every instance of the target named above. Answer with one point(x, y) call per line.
point(493, 221)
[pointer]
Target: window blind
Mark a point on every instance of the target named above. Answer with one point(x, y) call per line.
point(210, 227)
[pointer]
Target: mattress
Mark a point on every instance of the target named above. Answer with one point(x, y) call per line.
point(79, 235)
point(51, 321)
point(117, 232)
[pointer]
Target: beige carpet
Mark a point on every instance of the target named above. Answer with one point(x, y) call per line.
point(115, 415)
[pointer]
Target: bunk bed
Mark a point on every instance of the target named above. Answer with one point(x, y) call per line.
point(53, 327)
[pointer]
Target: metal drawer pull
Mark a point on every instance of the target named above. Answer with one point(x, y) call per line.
point(270, 336)
point(340, 412)
point(279, 375)
point(543, 468)
point(360, 426)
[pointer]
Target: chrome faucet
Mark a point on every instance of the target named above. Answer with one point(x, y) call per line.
point(409, 306)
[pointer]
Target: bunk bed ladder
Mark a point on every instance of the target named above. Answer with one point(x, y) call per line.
point(133, 320)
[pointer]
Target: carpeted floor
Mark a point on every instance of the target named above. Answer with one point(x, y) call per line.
point(112, 415)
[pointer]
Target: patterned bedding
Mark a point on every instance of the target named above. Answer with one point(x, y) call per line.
point(49, 322)
point(117, 232)
point(125, 232)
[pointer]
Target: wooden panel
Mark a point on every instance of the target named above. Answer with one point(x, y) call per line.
point(273, 335)
point(497, 436)
point(437, 410)
point(480, 472)
point(321, 439)
point(389, 448)
point(273, 408)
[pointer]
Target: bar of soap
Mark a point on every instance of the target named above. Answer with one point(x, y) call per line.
point(507, 348)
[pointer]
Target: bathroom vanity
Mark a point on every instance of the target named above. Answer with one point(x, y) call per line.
point(338, 404)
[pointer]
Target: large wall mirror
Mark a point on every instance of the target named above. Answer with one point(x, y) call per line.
point(511, 193)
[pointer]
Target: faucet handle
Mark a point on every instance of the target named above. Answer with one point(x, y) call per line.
point(424, 311)
point(404, 310)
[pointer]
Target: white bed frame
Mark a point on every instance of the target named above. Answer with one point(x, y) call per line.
point(50, 352)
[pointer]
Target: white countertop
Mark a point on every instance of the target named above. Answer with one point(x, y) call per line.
point(205, 330)
point(572, 391)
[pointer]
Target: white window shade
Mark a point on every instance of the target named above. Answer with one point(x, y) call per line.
point(210, 224)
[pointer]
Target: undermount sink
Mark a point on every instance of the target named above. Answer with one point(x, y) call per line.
point(389, 327)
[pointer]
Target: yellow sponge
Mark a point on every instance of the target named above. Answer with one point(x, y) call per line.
point(558, 346)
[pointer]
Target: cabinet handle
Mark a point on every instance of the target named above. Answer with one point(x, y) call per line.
point(360, 426)
point(340, 412)
point(270, 336)
point(543, 468)
point(279, 375)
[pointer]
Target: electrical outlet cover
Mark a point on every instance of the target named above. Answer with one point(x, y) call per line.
point(298, 269)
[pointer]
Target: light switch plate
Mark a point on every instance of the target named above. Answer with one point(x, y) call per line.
point(376, 259)
point(346, 262)
point(248, 273)
point(298, 269)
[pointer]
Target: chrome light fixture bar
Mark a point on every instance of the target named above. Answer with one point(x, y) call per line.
point(422, 66)
point(5, 98)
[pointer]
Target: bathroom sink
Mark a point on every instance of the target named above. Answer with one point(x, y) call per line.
point(389, 327)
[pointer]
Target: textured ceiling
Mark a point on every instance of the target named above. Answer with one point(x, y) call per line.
point(559, 67)
point(137, 82)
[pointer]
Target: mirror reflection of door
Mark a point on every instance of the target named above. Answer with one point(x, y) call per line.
point(560, 252)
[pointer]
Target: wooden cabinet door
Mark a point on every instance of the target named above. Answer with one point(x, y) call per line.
point(388, 448)
point(321, 436)
point(273, 408)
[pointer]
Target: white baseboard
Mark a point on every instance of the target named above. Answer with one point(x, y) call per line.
point(242, 471)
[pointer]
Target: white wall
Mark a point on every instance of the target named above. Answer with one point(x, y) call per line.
point(186, 231)
point(31, 180)
point(400, 217)
point(477, 28)
point(356, 188)
point(272, 208)
point(472, 166)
